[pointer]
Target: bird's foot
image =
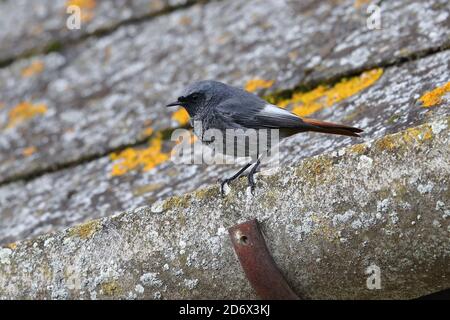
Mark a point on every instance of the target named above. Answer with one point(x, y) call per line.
point(226, 181)
point(251, 177)
point(251, 183)
point(223, 183)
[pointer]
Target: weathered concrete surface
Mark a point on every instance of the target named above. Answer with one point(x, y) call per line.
point(105, 92)
point(28, 26)
point(326, 220)
point(88, 191)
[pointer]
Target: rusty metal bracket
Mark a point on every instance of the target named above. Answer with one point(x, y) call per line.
point(258, 264)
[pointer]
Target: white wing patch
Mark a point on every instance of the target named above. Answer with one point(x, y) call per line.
point(273, 111)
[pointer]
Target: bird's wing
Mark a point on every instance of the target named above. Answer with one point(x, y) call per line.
point(258, 114)
point(255, 113)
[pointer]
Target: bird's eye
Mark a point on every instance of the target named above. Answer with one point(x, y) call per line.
point(195, 96)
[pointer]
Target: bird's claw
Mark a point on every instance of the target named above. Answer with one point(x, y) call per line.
point(252, 189)
point(223, 182)
point(251, 184)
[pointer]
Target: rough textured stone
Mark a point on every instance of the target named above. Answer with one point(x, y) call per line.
point(90, 191)
point(28, 26)
point(105, 92)
point(383, 203)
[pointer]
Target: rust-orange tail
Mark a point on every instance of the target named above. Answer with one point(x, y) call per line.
point(332, 128)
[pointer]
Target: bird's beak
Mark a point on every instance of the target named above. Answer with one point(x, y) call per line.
point(173, 104)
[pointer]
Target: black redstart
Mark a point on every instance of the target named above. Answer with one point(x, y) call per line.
point(227, 109)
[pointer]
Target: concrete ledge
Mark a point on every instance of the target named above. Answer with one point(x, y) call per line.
point(326, 220)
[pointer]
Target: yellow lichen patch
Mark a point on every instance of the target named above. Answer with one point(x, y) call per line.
point(316, 169)
point(307, 103)
point(386, 143)
point(86, 230)
point(177, 202)
point(134, 158)
point(34, 68)
point(12, 246)
point(147, 132)
point(110, 288)
point(24, 111)
point(28, 151)
point(181, 116)
point(434, 97)
point(257, 83)
point(417, 134)
point(358, 148)
point(86, 7)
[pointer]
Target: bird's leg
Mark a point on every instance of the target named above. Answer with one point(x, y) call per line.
point(230, 179)
point(251, 180)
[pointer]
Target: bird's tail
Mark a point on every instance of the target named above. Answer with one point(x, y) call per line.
point(332, 128)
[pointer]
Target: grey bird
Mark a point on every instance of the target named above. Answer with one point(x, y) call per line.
point(220, 106)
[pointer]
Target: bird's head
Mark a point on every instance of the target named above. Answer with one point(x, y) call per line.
point(198, 95)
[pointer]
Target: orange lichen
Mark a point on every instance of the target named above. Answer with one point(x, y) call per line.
point(307, 103)
point(34, 68)
point(181, 116)
point(434, 97)
point(256, 84)
point(24, 111)
point(86, 7)
point(28, 151)
point(147, 132)
point(134, 158)
point(359, 3)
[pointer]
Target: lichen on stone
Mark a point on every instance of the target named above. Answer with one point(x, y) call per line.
point(359, 148)
point(28, 151)
point(306, 103)
point(386, 143)
point(139, 158)
point(86, 8)
point(34, 68)
point(110, 288)
point(23, 112)
point(181, 116)
point(418, 134)
point(434, 97)
point(256, 84)
point(86, 230)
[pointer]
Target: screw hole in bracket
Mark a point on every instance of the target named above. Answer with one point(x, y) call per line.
point(258, 264)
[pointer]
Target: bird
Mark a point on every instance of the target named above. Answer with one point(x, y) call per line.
point(213, 105)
